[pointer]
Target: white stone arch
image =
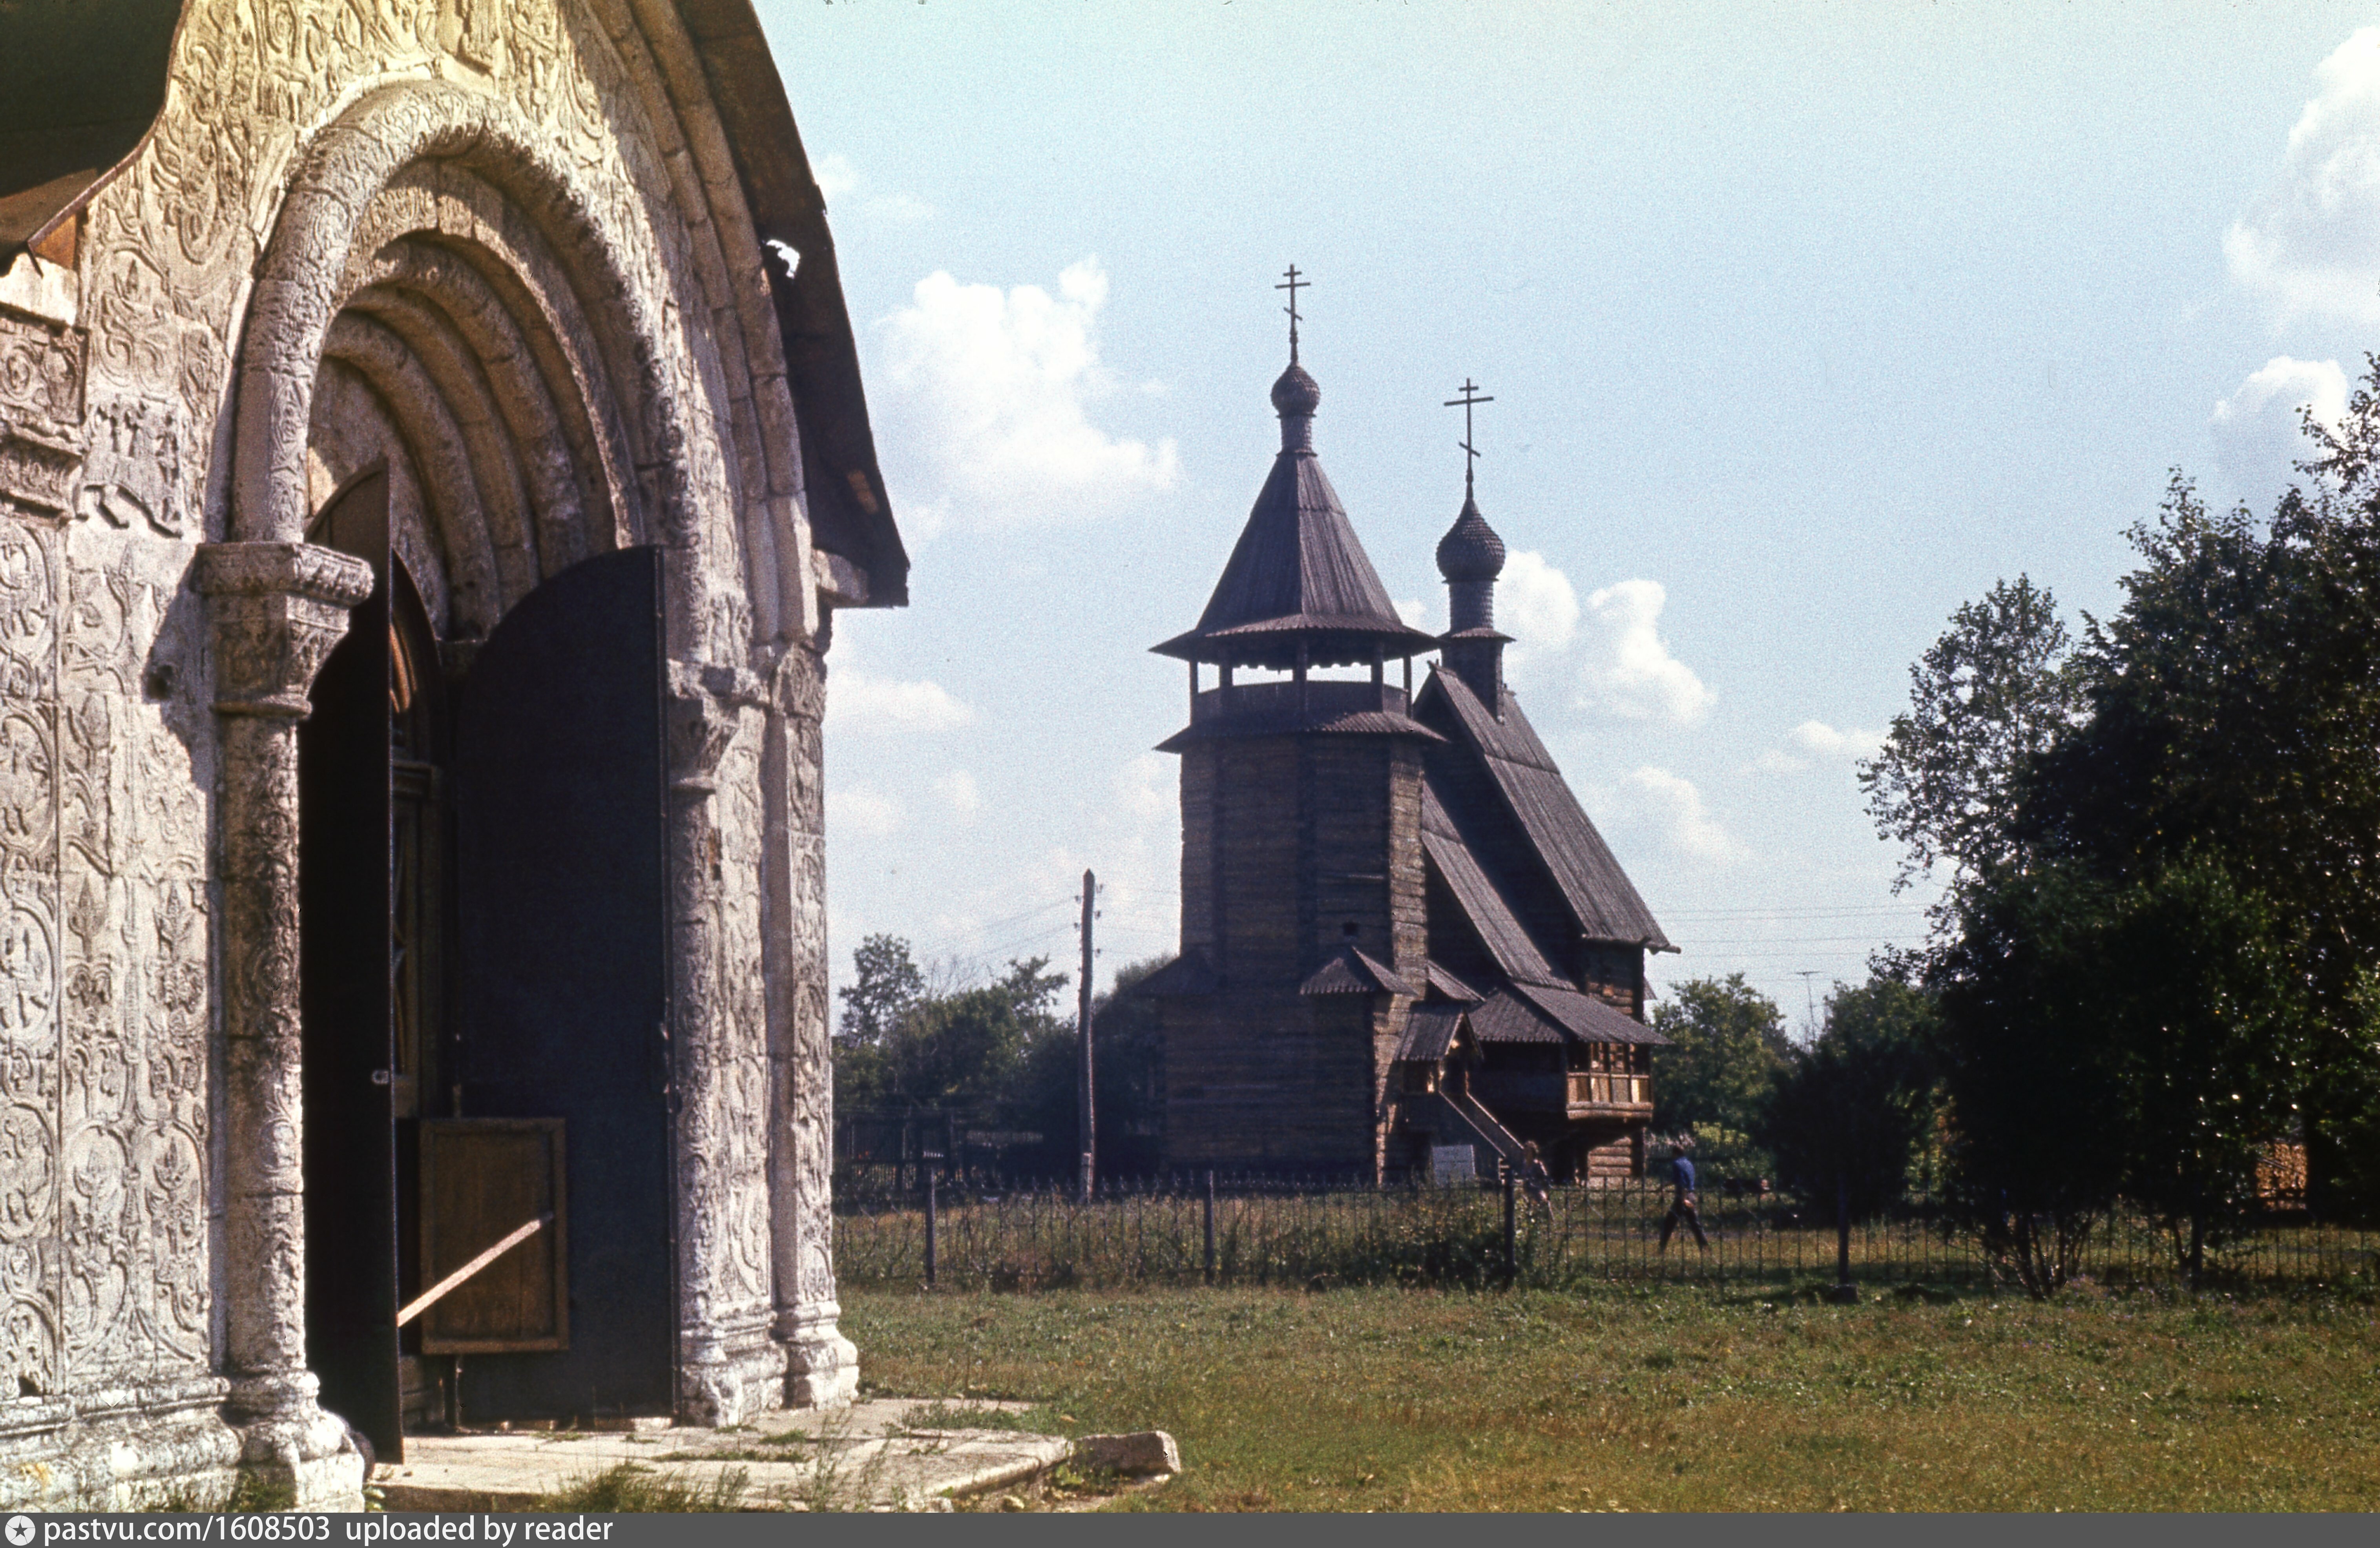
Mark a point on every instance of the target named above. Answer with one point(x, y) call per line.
point(526, 336)
point(532, 226)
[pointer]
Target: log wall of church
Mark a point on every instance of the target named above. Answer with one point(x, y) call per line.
point(1287, 842)
point(1270, 1082)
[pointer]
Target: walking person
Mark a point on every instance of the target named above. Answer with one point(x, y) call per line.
point(1536, 1181)
point(1683, 1208)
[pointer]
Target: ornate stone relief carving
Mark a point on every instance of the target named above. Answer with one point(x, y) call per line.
point(103, 985)
point(41, 414)
point(133, 470)
point(560, 173)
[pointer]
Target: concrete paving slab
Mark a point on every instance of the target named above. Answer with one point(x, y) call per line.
point(868, 1457)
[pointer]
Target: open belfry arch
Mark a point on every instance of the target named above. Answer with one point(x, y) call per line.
point(1402, 940)
point(432, 450)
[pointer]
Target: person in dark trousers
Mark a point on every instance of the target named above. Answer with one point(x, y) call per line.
point(1682, 1208)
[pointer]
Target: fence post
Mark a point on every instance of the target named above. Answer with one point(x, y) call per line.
point(929, 1227)
point(1845, 1290)
point(1511, 1240)
point(1211, 1225)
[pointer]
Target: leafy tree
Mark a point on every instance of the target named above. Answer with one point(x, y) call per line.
point(887, 987)
point(902, 1047)
point(2208, 1027)
point(1853, 1109)
point(1986, 701)
point(2035, 1155)
point(2143, 1039)
point(1128, 1046)
point(2234, 709)
point(1730, 1044)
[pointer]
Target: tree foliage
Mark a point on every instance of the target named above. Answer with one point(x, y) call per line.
point(2034, 1156)
point(886, 985)
point(1006, 1052)
point(2181, 813)
point(1730, 1044)
point(1855, 1110)
point(1986, 700)
point(2234, 711)
point(902, 1047)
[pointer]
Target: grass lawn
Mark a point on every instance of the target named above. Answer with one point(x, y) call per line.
point(1676, 1399)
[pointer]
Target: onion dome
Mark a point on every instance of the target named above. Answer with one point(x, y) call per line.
point(1296, 392)
point(1470, 550)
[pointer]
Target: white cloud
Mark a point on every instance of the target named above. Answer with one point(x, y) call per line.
point(908, 209)
point(1822, 740)
point(858, 809)
point(857, 702)
point(1629, 670)
point(838, 179)
point(997, 386)
point(1145, 787)
point(1416, 612)
point(2311, 243)
point(1676, 808)
point(1815, 742)
point(836, 176)
point(1534, 604)
point(958, 788)
point(2258, 437)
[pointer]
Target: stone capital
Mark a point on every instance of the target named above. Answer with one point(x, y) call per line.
point(276, 611)
point(704, 705)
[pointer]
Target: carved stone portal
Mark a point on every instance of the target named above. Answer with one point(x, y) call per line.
point(505, 255)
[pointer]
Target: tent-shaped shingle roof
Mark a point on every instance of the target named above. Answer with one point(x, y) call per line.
point(1298, 575)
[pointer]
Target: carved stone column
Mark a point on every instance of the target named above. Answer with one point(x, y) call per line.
point(727, 1365)
point(821, 1365)
point(274, 609)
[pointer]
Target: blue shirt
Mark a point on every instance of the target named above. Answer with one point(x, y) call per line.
point(1685, 1168)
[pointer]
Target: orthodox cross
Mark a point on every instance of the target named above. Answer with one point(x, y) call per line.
point(1470, 452)
point(1292, 285)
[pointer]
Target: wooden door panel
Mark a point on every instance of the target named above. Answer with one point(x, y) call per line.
point(561, 959)
point(345, 1048)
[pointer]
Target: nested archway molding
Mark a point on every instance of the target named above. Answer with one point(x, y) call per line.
point(564, 368)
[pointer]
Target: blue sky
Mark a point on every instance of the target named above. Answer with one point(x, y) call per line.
point(1804, 324)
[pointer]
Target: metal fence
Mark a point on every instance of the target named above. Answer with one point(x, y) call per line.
point(1309, 1233)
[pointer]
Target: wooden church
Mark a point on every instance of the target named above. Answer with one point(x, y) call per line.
point(1400, 935)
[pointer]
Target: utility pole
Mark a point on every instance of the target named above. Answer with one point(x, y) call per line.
point(1084, 1106)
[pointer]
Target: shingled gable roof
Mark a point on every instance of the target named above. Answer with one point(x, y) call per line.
point(1600, 899)
point(1431, 1033)
point(1297, 574)
point(1534, 1013)
point(1490, 918)
point(1351, 972)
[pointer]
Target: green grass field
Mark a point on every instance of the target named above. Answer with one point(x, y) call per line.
point(1681, 1398)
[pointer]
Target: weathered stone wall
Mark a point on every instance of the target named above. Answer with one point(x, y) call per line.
point(501, 248)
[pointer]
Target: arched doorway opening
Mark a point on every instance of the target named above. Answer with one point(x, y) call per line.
point(483, 994)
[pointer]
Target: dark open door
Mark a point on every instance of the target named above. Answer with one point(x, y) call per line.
point(561, 984)
point(346, 1044)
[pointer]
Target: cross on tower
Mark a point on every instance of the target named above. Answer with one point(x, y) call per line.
point(1470, 452)
point(1292, 285)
